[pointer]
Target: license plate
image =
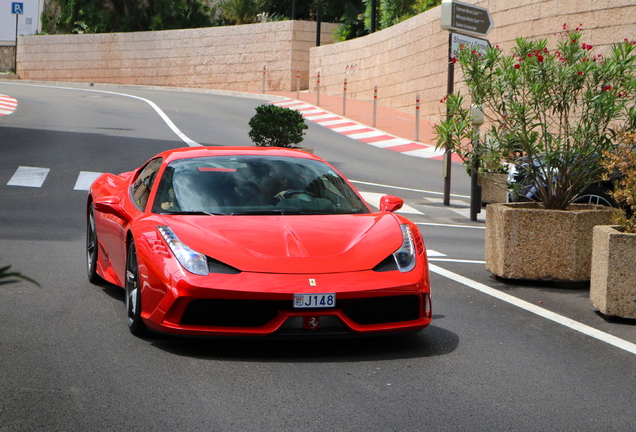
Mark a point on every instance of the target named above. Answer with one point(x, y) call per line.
point(324, 300)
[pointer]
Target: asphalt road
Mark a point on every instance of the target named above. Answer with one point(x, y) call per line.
point(69, 363)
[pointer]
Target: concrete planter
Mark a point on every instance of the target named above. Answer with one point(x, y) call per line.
point(613, 280)
point(494, 188)
point(524, 241)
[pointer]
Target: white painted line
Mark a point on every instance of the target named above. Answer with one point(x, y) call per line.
point(366, 135)
point(449, 225)
point(318, 117)
point(432, 253)
point(544, 313)
point(7, 104)
point(457, 261)
point(349, 128)
point(335, 122)
point(425, 152)
point(390, 143)
point(154, 106)
point(441, 200)
point(409, 189)
point(374, 199)
point(29, 177)
point(85, 180)
point(311, 112)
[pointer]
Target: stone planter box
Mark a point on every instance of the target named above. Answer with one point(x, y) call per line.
point(524, 241)
point(613, 280)
point(494, 188)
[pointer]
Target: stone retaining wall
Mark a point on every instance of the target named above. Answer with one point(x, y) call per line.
point(404, 60)
point(411, 57)
point(230, 58)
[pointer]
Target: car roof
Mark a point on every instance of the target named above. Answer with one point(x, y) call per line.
point(196, 152)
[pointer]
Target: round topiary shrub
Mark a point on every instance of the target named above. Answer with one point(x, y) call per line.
point(275, 126)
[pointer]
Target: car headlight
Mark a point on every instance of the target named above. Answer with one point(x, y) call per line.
point(191, 260)
point(406, 256)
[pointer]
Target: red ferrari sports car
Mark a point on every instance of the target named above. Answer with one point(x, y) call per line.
point(254, 241)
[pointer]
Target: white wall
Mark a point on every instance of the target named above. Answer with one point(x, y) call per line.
point(28, 22)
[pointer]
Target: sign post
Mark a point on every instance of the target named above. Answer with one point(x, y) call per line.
point(467, 19)
point(466, 24)
point(17, 9)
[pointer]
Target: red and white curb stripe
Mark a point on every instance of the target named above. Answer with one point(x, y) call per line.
point(360, 132)
point(7, 104)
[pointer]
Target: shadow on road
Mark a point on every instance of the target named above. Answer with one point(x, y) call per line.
point(432, 341)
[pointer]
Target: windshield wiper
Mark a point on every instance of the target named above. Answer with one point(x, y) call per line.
point(192, 213)
point(277, 211)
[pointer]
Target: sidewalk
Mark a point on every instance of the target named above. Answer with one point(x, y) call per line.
point(392, 121)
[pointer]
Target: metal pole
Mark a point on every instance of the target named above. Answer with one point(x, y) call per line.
point(374, 6)
point(318, 88)
point(263, 85)
point(450, 83)
point(475, 188)
point(16, 45)
point(477, 119)
point(297, 83)
point(344, 98)
point(375, 103)
point(417, 117)
point(318, 22)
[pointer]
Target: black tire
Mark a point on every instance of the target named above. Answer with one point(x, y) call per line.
point(92, 248)
point(595, 195)
point(133, 294)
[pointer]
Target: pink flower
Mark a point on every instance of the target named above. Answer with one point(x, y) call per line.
point(540, 58)
point(517, 66)
point(580, 73)
point(607, 88)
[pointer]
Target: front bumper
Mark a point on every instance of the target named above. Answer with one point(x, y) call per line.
point(253, 304)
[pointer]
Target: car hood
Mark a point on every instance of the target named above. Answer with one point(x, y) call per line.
point(292, 244)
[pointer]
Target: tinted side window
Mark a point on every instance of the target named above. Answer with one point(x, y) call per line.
point(143, 185)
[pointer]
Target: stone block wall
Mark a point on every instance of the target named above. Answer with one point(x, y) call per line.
point(230, 58)
point(7, 58)
point(411, 58)
point(404, 60)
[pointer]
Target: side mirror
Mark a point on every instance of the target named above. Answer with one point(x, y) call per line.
point(390, 203)
point(111, 205)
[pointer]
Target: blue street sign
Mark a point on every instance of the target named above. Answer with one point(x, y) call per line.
point(17, 8)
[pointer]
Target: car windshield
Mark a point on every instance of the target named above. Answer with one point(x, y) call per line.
point(254, 185)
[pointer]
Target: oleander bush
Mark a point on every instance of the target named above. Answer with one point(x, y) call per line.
point(552, 112)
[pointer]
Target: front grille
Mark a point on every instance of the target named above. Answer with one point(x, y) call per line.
point(381, 310)
point(232, 313)
point(257, 313)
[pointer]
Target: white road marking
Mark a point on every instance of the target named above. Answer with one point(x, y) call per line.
point(457, 261)
point(85, 180)
point(409, 189)
point(8, 104)
point(432, 253)
point(363, 135)
point(154, 106)
point(374, 199)
point(544, 313)
point(450, 225)
point(28, 177)
point(390, 142)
